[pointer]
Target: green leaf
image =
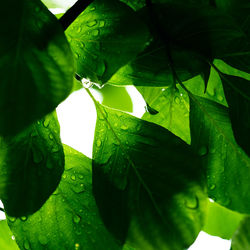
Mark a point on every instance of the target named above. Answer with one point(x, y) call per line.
point(151, 178)
point(69, 219)
point(31, 165)
point(221, 221)
point(6, 242)
point(106, 36)
point(227, 166)
point(59, 3)
point(36, 64)
point(237, 91)
point(173, 109)
point(241, 239)
point(152, 67)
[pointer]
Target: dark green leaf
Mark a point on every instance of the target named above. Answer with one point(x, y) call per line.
point(36, 64)
point(237, 91)
point(6, 242)
point(221, 221)
point(31, 164)
point(228, 167)
point(106, 36)
point(241, 239)
point(69, 219)
point(152, 67)
point(153, 195)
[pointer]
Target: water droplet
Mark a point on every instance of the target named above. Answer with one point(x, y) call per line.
point(80, 211)
point(100, 68)
point(76, 219)
point(177, 100)
point(95, 32)
point(23, 218)
point(13, 237)
point(55, 148)
point(77, 246)
point(51, 136)
point(220, 98)
point(91, 23)
point(12, 219)
point(101, 23)
point(192, 203)
point(37, 155)
point(212, 187)
point(82, 45)
point(79, 29)
point(43, 239)
point(92, 8)
point(80, 176)
point(46, 122)
point(77, 55)
point(64, 176)
point(26, 245)
point(73, 177)
point(124, 127)
point(203, 151)
point(211, 92)
point(98, 143)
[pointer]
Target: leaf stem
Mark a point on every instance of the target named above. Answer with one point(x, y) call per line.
point(72, 13)
point(1, 209)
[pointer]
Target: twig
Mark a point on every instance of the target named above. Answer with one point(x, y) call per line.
point(72, 13)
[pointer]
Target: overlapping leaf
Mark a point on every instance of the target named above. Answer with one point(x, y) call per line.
point(228, 167)
point(240, 240)
point(237, 91)
point(31, 164)
point(221, 221)
point(36, 64)
point(147, 182)
point(106, 36)
point(69, 219)
point(6, 241)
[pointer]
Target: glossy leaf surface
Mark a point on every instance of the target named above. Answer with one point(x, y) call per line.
point(36, 64)
point(69, 219)
point(237, 91)
point(151, 177)
point(105, 37)
point(6, 241)
point(31, 164)
point(221, 221)
point(227, 166)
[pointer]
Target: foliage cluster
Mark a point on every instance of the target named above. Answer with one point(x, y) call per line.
point(149, 181)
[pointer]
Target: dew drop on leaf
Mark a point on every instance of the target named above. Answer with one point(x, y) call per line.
point(73, 177)
point(23, 218)
point(124, 127)
point(177, 100)
point(12, 219)
point(212, 187)
point(37, 155)
point(95, 32)
point(220, 98)
point(13, 237)
point(64, 176)
point(192, 203)
point(43, 239)
point(98, 143)
point(26, 245)
point(51, 137)
point(77, 246)
point(76, 219)
point(203, 151)
point(101, 23)
point(46, 122)
point(92, 9)
point(91, 23)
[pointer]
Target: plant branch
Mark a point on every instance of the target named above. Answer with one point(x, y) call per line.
point(72, 13)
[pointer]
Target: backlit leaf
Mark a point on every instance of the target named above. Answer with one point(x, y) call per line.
point(106, 36)
point(144, 175)
point(31, 164)
point(7, 242)
point(36, 64)
point(69, 219)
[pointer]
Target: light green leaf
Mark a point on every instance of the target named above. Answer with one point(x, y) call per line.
point(65, 4)
point(237, 91)
point(151, 178)
point(69, 219)
point(173, 109)
point(241, 239)
point(227, 166)
point(6, 241)
point(36, 64)
point(31, 164)
point(106, 36)
point(221, 221)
